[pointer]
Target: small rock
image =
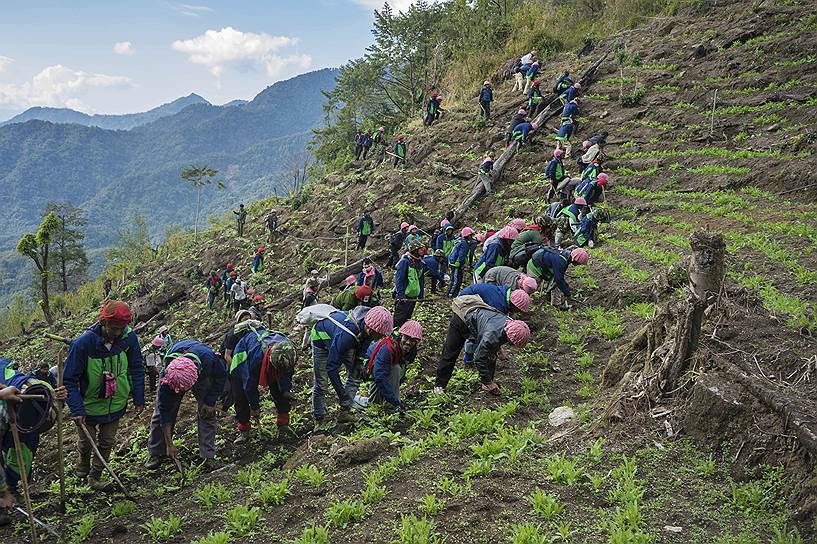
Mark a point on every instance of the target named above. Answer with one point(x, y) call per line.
point(773, 128)
point(561, 415)
point(360, 451)
point(604, 114)
point(673, 529)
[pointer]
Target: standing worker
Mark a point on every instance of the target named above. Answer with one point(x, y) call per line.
point(400, 150)
point(241, 218)
point(457, 260)
point(486, 96)
point(103, 368)
point(409, 283)
point(396, 242)
point(258, 260)
point(365, 227)
point(272, 224)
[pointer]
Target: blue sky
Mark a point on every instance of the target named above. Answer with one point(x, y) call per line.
point(117, 57)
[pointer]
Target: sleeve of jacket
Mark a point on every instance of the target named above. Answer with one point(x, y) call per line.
point(166, 399)
point(421, 272)
point(359, 227)
point(136, 370)
point(218, 380)
point(73, 372)
point(489, 257)
point(487, 348)
point(285, 382)
point(559, 276)
point(400, 274)
point(380, 373)
point(361, 277)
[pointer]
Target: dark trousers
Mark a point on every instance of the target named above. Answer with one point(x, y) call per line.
point(358, 151)
point(394, 256)
point(456, 280)
point(365, 151)
point(403, 310)
point(240, 228)
point(458, 333)
point(486, 109)
point(151, 375)
point(361, 241)
point(211, 297)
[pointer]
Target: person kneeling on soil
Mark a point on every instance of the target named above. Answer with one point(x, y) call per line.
point(387, 362)
point(266, 358)
point(568, 220)
point(549, 266)
point(193, 367)
point(489, 329)
point(342, 340)
point(33, 418)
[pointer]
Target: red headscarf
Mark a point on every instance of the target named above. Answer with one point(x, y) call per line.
point(115, 313)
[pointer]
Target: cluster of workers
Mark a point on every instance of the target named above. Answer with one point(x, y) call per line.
point(352, 337)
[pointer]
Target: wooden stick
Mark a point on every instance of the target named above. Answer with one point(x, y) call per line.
point(32, 397)
point(60, 452)
point(102, 459)
point(15, 434)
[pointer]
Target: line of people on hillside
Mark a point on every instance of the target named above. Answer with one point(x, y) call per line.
point(364, 141)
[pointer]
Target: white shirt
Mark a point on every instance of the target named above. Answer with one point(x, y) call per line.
point(527, 59)
point(238, 290)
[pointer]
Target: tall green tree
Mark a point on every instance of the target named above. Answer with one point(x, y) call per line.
point(200, 177)
point(35, 247)
point(69, 262)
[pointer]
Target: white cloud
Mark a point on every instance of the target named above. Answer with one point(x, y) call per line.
point(5, 61)
point(191, 10)
point(217, 48)
point(57, 86)
point(123, 48)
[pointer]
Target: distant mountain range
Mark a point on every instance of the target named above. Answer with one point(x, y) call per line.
point(111, 122)
point(113, 172)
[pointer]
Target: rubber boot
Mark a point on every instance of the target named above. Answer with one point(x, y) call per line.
point(153, 462)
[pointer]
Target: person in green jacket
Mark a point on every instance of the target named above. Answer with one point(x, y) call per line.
point(349, 299)
point(531, 238)
point(365, 227)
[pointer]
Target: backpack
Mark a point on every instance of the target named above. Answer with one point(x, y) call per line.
point(280, 356)
point(562, 84)
point(310, 315)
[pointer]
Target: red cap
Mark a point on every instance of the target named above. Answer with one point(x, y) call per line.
point(115, 313)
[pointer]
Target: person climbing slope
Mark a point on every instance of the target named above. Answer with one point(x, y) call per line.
point(567, 125)
point(396, 242)
point(519, 118)
point(458, 259)
point(535, 99)
point(258, 260)
point(586, 234)
point(434, 269)
point(555, 172)
point(522, 131)
point(191, 366)
point(240, 219)
point(272, 224)
point(400, 150)
point(568, 221)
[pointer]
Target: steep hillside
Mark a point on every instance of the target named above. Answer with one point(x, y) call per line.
point(709, 462)
point(113, 174)
point(111, 122)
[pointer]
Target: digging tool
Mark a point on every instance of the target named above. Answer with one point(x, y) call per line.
point(21, 467)
point(104, 463)
point(60, 437)
point(32, 397)
point(56, 338)
point(41, 523)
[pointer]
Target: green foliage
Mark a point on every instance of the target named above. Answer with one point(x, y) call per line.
point(83, 528)
point(545, 505)
point(343, 513)
point(275, 493)
point(214, 538)
point(161, 530)
point(608, 323)
point(563, 470)
point(414, 530)
point(432, 505)
point(212, 494)
point(242, 519)
point(68, 262)
point(633, 98)
point(313, 535)
point(643, 310)
point(122, 508)
point(310, 475)
point(250, 476)
point(529, 533)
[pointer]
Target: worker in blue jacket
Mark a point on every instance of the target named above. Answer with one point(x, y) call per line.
point(458, 259)
point(570, 93)
point(592, 190)
point(567, 126)
point(521, 132)
point(342, 340)
point(266, 358)
point(519, 117)
point(496, 296)
point(435, 269)
point(531, 75)
point(400, 150)
point(364, 228)
point(103, 368)
point(370, 275)
point(446, 240)
point(409, 282)
point(585, 235)
point(189, 366)
point(496, 253)
point(29, 413)
point(549, 266)
point(387, 362)
point(433, 109)
point(563, 83)
point(486, 96)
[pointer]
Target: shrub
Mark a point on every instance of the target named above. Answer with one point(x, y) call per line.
point(632, 98)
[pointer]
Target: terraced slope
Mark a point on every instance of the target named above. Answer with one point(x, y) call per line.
point(710, 464)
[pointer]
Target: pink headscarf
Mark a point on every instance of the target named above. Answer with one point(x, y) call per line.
point(181, 374)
